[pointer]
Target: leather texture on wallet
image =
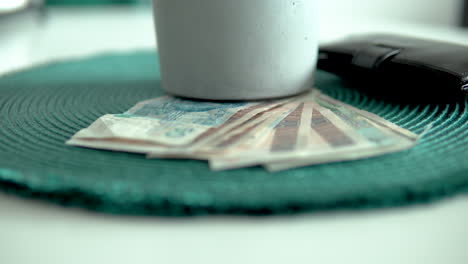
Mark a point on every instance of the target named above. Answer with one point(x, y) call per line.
point(400, 67)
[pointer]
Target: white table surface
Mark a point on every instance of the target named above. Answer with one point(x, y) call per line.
point(39, 232)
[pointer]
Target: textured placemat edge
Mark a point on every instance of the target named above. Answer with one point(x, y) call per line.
point(424, 193)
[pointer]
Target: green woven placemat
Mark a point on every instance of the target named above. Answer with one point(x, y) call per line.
point(42, 107)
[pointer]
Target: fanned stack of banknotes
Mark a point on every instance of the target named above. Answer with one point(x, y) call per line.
point(308, 129)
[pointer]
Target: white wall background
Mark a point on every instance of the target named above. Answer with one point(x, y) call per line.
point(337, 18)
point(436, 12)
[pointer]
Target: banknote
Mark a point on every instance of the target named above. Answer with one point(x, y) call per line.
point(169, 121)
point(332, 135)
point(250, 132)
point(281, 139)
point(308, 129)
point(114, 144)
point(140, 129)
point(363, 135)
point(359, 152)
point(341, 108)
point(166, 120)
point(290, 139)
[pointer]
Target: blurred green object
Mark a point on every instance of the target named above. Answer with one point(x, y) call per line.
point(91, 2)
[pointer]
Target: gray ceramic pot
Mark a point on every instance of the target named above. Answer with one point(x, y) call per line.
point(236, 49)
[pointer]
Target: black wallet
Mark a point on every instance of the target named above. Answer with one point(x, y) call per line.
point(400, 68)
